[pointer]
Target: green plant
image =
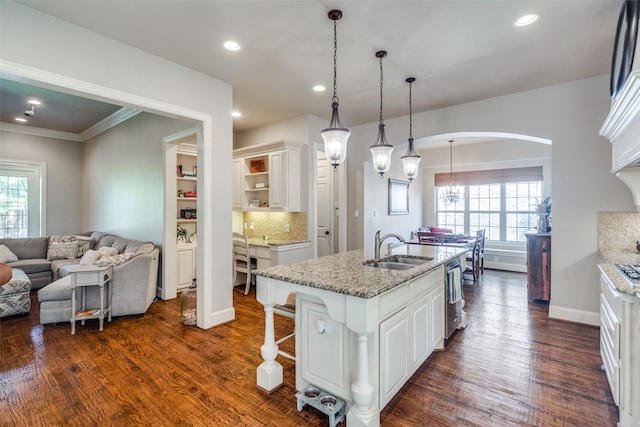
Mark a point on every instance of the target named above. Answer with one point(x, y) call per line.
point(181, 232)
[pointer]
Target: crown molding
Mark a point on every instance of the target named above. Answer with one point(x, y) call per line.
point(45, 133)
point(122, 115)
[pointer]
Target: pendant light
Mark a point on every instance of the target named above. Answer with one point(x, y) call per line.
point(411, 160)
point(335, 136)
point(450, 194)
point(381, 150)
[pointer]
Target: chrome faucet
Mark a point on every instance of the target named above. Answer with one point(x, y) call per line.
point(379, 240)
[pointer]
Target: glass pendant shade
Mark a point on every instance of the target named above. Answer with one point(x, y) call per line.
point(381, 152)
point(335, 139)
point(411, 162)
point(451, 194)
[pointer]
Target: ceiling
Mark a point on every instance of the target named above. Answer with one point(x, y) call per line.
point(459, 51)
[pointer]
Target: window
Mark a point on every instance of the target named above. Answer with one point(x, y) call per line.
point(504, 207)
point(21, 199)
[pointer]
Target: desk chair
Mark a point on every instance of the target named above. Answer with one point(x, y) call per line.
point(242, 261)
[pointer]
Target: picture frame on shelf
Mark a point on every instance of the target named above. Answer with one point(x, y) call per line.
point(256, 166)
point(398, 197)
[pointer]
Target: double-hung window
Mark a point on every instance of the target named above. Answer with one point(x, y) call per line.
point(21, 199)
point(501, 201)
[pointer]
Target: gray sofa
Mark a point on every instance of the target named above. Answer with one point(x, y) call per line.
point(134, 280)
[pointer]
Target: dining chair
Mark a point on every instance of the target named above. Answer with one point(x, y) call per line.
point(480, 236)
point(473, 261)
point(242, 261)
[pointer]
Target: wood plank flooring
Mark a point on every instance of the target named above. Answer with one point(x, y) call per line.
point(511, 366)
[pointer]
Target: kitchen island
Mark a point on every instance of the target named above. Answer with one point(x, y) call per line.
point(361, 331)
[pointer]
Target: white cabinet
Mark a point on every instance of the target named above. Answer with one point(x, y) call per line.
point(270, 177)
point(409, 336)
point(186, 265)
point(394, 349)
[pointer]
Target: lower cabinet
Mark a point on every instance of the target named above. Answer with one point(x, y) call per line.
point(186, 265)
point(394, 348)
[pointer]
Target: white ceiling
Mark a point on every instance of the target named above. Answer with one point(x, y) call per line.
point(459, 51)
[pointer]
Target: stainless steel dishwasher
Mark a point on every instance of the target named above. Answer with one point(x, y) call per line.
point(454, 297)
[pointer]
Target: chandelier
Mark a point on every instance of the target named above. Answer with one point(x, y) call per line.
point(381, 150)
point(451, 193)
point(411, 160)
point(336, 135)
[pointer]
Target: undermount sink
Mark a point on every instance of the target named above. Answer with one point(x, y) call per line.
point(407, 260)
point(398, 262)
point(389, 265)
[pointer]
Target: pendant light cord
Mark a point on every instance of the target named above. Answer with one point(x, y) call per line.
point(381, 80)
point(335, 62)
point(410, 118)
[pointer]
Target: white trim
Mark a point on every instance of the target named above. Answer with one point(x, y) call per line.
point(40, 169)
point(122, 115)
point(623, 109)
point(572, 315)
point(35, 131)
point(460, 136)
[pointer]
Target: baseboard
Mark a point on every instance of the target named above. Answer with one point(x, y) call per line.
point(572, 315)
point(219, 317)
point(504, 266)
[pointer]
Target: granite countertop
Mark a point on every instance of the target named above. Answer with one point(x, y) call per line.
point(273, 242)
point(345, 272)
point(607, 265)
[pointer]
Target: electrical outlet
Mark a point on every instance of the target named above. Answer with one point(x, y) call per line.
point(252, 227)
point(245, 225)
point(287, 228)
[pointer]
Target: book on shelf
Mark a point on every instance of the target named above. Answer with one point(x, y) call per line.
point(90, 312)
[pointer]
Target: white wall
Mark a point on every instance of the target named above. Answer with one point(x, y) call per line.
point(570, 115)
point(39, 49)
point(124, 178)
point(64, 176)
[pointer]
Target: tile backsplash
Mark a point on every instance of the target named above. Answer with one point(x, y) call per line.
point(272, 225)
point(618, 231)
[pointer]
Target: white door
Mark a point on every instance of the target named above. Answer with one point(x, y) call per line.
point(324, 234)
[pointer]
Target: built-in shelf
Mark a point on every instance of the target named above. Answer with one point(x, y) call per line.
point(187, 199)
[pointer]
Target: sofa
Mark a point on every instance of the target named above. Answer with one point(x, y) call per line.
point(47, 259)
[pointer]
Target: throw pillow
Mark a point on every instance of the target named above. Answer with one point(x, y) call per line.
point(90, 257)
point(5, 274)
point(84, 244)
point(108, 251)
point(62, 238)
point(6, 255)
point(62, 251)
point(114, 260)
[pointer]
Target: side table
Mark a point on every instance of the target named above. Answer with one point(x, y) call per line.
point(83, 277)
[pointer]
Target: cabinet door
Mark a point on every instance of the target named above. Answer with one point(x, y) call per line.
point(238, 183)
point(276, 180)
point(186, 266)
point(394, 351)
point(421, 331)
point(436, 297)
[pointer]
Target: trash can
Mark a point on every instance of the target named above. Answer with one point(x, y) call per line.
point(189, 303)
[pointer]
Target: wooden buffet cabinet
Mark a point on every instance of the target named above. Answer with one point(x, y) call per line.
point(539, 266)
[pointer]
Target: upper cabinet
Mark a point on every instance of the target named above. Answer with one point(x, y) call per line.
point(268, 177)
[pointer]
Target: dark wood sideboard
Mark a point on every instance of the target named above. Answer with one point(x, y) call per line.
point(539, 266)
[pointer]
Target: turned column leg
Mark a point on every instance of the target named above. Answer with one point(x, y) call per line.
point(269, 373)
point(363, 413)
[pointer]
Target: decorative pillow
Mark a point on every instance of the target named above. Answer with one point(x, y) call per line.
point(90, 257)
point(115, 259)
point(6, 255)
point(62, 238)
point(84, 244)
point(108, 251)
point(62, 251)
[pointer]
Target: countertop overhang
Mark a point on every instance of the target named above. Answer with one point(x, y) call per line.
point(346, 273)
point(607, 266)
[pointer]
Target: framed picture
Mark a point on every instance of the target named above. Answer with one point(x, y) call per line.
point(398, 197)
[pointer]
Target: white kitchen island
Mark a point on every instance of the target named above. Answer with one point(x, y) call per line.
point(361, 331)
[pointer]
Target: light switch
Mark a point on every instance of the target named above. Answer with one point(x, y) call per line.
point(356, 214)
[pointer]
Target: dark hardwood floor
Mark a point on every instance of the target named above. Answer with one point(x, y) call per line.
point(511, 366)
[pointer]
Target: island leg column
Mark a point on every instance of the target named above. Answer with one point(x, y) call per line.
point(363, 413)
point(269, 373)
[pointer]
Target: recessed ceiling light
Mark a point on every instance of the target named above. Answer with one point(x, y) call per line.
point(527, 19)
point(20, 119)
point(236, 114)
point(33, 102)
point(231, 45)
point(319, 88)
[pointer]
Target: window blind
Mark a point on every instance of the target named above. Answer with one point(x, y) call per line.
point(494, 176)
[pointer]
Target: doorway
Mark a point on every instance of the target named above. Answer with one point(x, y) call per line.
point(325, 225)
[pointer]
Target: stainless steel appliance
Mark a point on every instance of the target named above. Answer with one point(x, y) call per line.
point(631, 273)
point(454, 297)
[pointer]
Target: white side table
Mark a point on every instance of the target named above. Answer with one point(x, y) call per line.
point(91, 275)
